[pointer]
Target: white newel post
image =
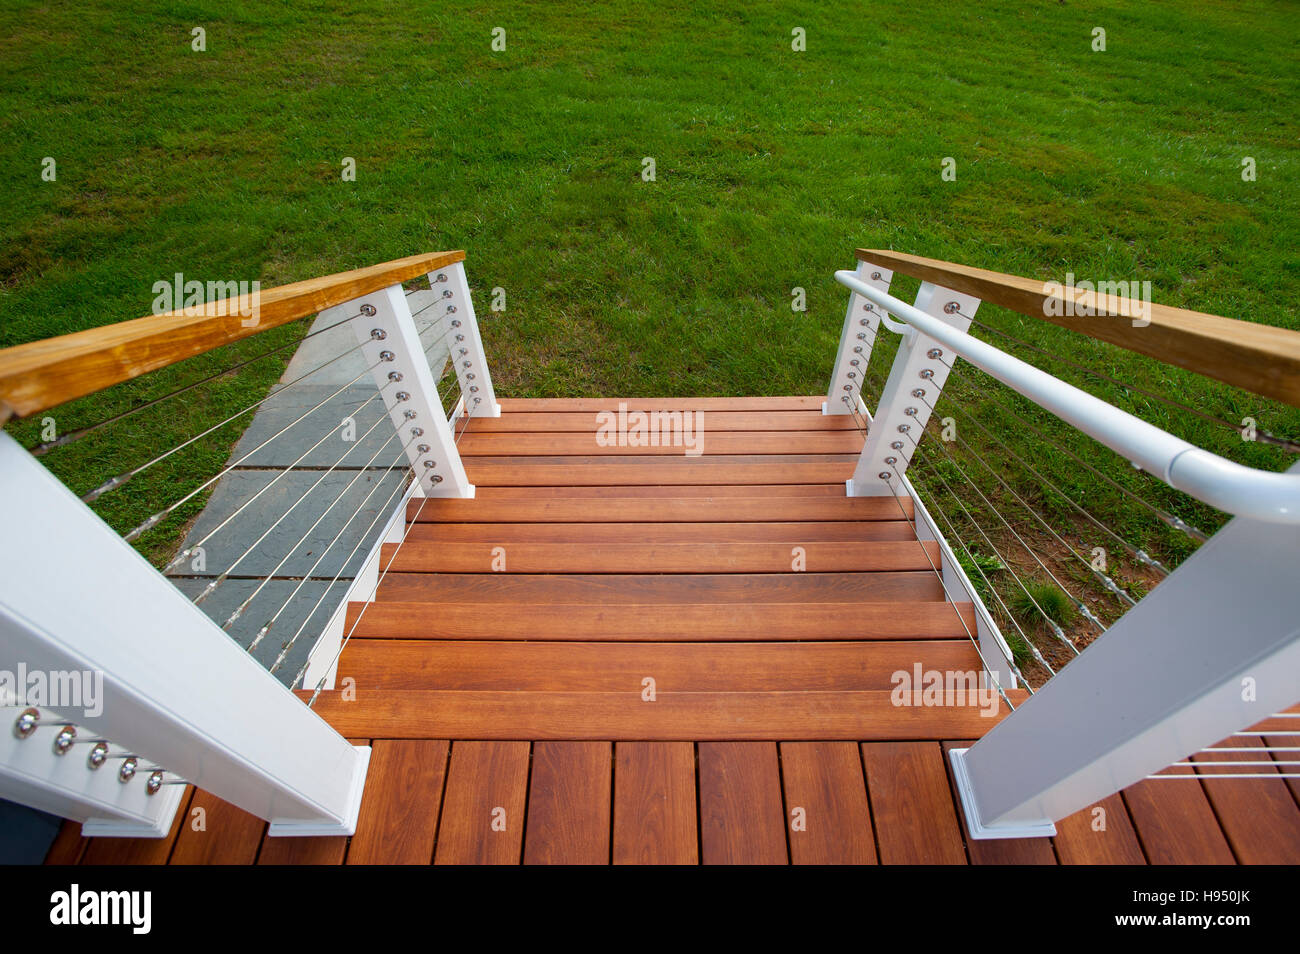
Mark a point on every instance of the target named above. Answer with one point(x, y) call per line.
point(1212, 650)
point(861, 325)
point(177, 692)
point(464, 343)
point(392, 345)
point(915, 381)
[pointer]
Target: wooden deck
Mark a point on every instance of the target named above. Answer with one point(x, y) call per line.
point(681, 660)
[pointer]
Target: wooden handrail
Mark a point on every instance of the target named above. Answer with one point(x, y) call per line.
point(1259, 358)
point(43, 374)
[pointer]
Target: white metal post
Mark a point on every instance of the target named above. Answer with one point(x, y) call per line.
point(920, 369)
point(464, 343)
point(176, 691)
point(1212, 650)
point(392, 345)
point(861, 325)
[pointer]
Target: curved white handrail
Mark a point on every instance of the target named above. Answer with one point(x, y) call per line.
point(1221, 483)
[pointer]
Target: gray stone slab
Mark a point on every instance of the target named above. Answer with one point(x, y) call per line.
point(315, 602)
point(293, 494)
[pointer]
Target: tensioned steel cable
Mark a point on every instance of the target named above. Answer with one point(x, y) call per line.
point(118, 481)
point(1140, 555)
point(1176, 522)
point(72, 436)
point(939, 576)
point(1011, 569)
point(1262, 436)
point(953, 534)
point(155, 518)
point(212, 586)
point(239, 611)
point(382, 576)
point(1079, 604)
point(380, 513)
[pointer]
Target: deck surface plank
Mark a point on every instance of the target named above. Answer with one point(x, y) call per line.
point(1175, 823)
point(621, 667)
point(655, 817)
point(916, 822)
point(1091, 838)
point(483, 808)
point(823, 782)
point(569, 804)
point(228, 835)
point(742, 820)
point(400, 805)
point(684, 509)
point(1258, 816)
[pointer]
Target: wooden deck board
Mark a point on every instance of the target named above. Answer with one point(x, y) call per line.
point(686, 716)
point(1175, 823)
point(911, 801)
point(483, 808)
point(874, 556)
point(655, 818)
point(612, 588)
point(742, 820)
point(226, 836)
point(801, 402)
point(721, 509)
point(569, 804)
point(715, 421)
point(788, 533)
point(598, 471)
point(824, 785)
point(1091, 838)
point(399, 808)
point(1261, 821)
point(615, 667)
point(702, 443)
point(561, 621)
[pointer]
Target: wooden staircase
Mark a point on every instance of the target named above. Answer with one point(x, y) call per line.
point(704, 613)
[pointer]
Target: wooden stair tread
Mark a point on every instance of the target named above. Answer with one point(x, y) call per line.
point(504, 534)
point(800, 402)
point(621, 667)
point(688, 716)
point(614, 588)
point(706, 443)
point(612, 469)
point(675, 622)
point(714, 421)
point(450, 557)
point(755, 509)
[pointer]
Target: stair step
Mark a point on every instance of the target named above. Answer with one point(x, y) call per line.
point(705, 442)
point(714, 421)
point(614, 589)
point(619, 716)
point(451, 557)
point(791, 534)
point(659, 510)
point(657, 490)
point(798, 402)
point(611, 469)
point(644, 622)
point(621, 667)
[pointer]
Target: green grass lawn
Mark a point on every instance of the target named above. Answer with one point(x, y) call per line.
point(772, 165)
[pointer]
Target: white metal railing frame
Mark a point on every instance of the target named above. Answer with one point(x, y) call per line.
point(1221, 483)
point(197, 708)
point(1103, 722)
